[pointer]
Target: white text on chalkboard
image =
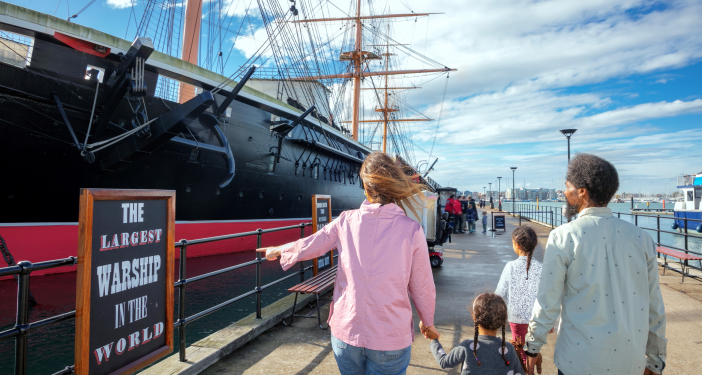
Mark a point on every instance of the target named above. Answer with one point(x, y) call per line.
point(144, 271)
point(103, 353)
point(132, 213)
point(136, 308)
point(122, 240)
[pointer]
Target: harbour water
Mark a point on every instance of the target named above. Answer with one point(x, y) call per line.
point(664, 222)
point(51, 348)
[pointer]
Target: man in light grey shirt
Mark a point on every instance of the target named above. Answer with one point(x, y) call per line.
point(601, 274)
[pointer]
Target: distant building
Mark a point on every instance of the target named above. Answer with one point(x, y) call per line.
point(531, 194)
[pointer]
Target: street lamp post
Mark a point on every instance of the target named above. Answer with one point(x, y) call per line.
point(491, 206)
point(513, 191)
point(499, 198)
point(568, 133)
point(484, 196)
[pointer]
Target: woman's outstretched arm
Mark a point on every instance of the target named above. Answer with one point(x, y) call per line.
point(306, 248)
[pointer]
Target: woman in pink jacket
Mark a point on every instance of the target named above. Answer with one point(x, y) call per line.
point(383, 260)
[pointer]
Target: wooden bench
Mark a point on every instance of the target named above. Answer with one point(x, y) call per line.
point(682, 257)
point(316, 285)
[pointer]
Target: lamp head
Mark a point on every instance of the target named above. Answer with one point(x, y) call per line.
point(499, 178)
point(513, 168)
point(568, 132)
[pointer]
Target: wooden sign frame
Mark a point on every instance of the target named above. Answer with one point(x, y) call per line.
point(83, 283)
point(315, 198)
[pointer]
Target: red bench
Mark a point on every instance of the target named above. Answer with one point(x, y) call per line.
point(681, 256)
point(316, 285)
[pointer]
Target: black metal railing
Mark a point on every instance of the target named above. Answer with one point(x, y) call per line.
point(545, 217)
point(22, 326)
point(184, 281)
point(24, 269)
point(530, 212)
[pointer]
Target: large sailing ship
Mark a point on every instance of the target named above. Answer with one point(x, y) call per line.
point(81, 108)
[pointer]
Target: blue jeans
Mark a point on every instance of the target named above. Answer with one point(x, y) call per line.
point(353, 360)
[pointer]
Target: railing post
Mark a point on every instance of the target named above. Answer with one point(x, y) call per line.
point(22, 318)
point(302, 264)
point(181, 299)
point(552, 226)
point(520, 218)
point(658, 228)
point(686, 252)
point(636, 220)
point(258, 274)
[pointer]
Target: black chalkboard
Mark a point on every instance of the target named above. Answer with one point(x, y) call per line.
point(321, 216)
point(125, 284)
point(499, 222)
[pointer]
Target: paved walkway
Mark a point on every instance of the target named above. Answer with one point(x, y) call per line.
point(472, 265)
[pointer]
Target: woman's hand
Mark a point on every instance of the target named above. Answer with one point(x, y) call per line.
point(429, 332)
point(272, 253)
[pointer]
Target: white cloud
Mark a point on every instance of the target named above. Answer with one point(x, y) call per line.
point(522, 70)
point(254, 43)
point(121, 4)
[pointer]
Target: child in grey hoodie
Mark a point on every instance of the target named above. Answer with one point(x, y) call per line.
point(484, 221)
point(486, 353)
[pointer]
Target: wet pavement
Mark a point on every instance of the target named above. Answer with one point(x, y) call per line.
point(472, 265)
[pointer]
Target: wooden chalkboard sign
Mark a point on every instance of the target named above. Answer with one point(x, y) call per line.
point(124, 297)
point(498, 222)
point(321, 216)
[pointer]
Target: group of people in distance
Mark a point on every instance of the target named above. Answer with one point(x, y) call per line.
point(463, 214)
point(597, 287)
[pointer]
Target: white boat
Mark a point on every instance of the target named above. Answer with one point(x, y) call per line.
point(689, 208)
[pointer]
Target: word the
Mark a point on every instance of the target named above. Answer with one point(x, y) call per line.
point(103, 353)
point(136, 308)
point(132, 213)
point(144, 271)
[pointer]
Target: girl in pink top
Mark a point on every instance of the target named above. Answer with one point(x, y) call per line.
point(383, 260)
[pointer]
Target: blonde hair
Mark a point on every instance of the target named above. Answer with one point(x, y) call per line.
point(386, 182)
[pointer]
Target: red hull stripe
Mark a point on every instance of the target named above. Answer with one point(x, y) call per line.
point(47, 241)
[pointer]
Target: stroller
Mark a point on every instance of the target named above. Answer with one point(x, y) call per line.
point(446, 226)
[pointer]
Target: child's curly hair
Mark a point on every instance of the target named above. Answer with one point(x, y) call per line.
point(489, 312)
point(527, 240)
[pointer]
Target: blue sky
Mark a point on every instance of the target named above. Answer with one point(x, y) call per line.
point(626, 73)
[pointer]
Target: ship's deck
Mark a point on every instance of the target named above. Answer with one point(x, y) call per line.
point(175, 68)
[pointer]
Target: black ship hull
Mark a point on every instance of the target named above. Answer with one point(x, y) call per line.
point(275, 172)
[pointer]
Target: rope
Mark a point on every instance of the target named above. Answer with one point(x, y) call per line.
point(441, 110)
point(90, 124)
point(111, 141)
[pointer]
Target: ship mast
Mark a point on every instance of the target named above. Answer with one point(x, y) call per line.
point(191, 42)
point(357, 56)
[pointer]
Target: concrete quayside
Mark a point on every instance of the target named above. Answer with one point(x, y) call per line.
point(472, 265)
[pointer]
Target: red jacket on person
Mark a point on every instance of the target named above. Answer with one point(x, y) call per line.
point(457, 207)
point(453, 206)
point(449, 206)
